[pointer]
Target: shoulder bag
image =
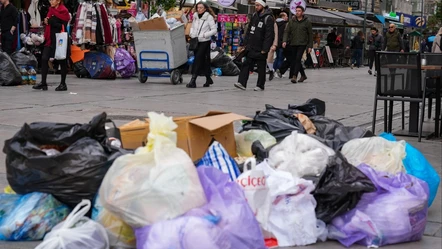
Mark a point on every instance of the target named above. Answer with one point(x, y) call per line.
point(193, 43)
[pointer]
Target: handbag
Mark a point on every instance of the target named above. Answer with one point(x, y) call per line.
point(61, 46)
point(193, 43)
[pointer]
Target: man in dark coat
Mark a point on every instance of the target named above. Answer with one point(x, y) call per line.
point(258, 40)
point(8, 20)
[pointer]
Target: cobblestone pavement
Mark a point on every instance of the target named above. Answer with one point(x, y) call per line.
point(347, 93)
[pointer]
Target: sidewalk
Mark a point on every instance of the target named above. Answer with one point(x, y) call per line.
point(348, 95)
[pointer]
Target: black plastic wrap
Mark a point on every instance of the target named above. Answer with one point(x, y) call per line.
point(340, 188)
point(25, 58)
point(71, 175)
point(9, 73)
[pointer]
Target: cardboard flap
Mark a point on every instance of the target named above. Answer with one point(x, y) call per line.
point(215, 122)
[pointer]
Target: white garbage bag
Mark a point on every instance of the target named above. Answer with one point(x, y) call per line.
point(77, 231)
point(300, 155)
point(158, 182)
point(292, 218)
point(245, 140)
point(377, 152)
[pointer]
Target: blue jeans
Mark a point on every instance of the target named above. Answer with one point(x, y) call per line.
point(279, 58)
point(356, 59)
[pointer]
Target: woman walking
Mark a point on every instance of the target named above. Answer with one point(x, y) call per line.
point(437, 43)
point(203, 28)
point(56, 20)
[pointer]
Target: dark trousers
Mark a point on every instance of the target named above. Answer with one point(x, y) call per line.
point(371, 57)
point(47, 51)
point(356, 58)
point(279, 58)
point(296, 65)
point(7, 42)
point(201, 64)
point(248, 66)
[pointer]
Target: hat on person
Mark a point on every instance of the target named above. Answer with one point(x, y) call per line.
point(261, 2)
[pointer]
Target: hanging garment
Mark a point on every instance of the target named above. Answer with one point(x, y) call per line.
point(106, 25)
point(35, 14)
point(94, 27)
point(88, 24)
point(118, 31)
point(113, 23)
point(99, 24)
point(81, 23)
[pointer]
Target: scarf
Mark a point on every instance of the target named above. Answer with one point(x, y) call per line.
point(61, 13)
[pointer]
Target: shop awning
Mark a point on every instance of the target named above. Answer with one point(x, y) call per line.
point(350, 19)
point(322, 17)
point(370, 16)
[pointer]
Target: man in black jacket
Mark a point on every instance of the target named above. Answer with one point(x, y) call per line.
point(258, 40)
point(8, 20)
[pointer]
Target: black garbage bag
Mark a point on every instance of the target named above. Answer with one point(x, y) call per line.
point(312, 107)
point(225, 63)
point(24, 58)
point(68, 161)
point(278, 122)
point(9, 73)
point(340, 188)
point(80, 71)
point(334, 134)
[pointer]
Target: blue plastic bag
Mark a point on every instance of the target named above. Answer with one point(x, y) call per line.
point(225, 222)
point(417, 165)
point(29, 217)
point(218, 157)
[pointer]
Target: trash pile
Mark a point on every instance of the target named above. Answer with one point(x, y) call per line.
point(289, 177)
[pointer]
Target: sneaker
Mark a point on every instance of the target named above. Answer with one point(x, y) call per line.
point(258, 89)
point(284, 75)
point(271, 75)
point(352, 66)
point(240, 86)
point(369, 71)
point(278, 73)
point(374, 74)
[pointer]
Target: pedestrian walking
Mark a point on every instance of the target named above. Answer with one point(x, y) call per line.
point(56, 20)
point(203, 28)
point(281, 22)
point(375, 43)
point(298, 35)
point(8, 19)
point(271, 55)
point(258, 40)
point(437, 43)
point(393, 40)
point(357, 46)
point(331, 38)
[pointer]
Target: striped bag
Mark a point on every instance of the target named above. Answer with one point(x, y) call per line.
point(216, 156)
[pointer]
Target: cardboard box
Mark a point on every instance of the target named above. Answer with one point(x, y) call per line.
point(153, 24)
point(194, 133)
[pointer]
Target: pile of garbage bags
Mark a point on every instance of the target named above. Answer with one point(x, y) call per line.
point(222, 61)
point(299, 178)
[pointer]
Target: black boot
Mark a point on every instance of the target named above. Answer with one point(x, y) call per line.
point(41, 86)
point(209, 81)
point(192, 83)
point(61, 87)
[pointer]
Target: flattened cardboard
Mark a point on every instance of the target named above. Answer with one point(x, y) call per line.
point(153, 24)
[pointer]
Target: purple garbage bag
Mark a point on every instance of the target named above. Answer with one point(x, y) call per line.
point(124, 63)
point(226, 221)
point(395, 213)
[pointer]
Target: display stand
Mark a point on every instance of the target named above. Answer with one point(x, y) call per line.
point(232, 29)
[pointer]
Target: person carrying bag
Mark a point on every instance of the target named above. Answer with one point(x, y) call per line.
point(203, 28)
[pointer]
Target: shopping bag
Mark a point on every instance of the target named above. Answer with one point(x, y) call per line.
point(61, 46)
point(77, 231)
point(120, 234)
point(158, 182)
point(417, 165)
point(29, 217)
point(379, 153)
point(244, 141)
point(218, 157)
point(226, 221)
point(395, 213)
point(292, 218)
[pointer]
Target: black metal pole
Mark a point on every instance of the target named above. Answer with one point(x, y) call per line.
point(365, 31)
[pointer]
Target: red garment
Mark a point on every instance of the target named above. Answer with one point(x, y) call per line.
point(106, 26)
point(62, 13)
